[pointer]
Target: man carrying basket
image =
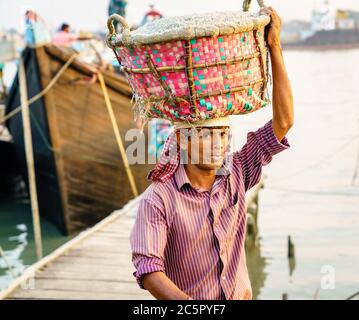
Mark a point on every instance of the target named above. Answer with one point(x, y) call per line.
point(188, 238)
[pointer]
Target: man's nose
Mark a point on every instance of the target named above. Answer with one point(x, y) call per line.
point(217, 141)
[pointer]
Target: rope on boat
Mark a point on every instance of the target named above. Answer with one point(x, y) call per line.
point(109, 108)
point(43, 92)
point(353, 296)
point(117, 134)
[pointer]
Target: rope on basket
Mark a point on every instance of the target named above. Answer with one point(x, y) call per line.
point(247, 4)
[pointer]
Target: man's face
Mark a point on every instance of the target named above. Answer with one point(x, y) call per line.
point(205, 147)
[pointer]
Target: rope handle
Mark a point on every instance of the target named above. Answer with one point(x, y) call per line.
point(247, 4)
point(112, 29)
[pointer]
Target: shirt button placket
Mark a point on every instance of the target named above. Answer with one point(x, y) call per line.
point(224, 285)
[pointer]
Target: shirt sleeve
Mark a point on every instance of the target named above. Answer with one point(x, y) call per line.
point(148, 240)
point(258, 151)
point(73, 37)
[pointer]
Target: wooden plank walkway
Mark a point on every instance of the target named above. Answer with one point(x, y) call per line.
point(96, 264)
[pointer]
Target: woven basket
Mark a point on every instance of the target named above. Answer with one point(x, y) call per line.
point(195, 67)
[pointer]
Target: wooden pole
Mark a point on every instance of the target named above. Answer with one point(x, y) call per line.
point(356, 164)
point(290, 248)
point(30, 158)
point(285, 296)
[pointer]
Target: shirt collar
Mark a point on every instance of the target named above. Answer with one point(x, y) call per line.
point(182, 178)
point(223, 171)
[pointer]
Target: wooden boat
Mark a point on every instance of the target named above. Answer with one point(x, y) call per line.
point(80, 175)
point(10, 178)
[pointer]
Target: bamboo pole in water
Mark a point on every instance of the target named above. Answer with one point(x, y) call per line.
point(356, 164)
point(30, 158)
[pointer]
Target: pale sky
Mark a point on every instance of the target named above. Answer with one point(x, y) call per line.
point(92, 14)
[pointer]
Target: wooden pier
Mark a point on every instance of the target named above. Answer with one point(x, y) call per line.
point(96, 264)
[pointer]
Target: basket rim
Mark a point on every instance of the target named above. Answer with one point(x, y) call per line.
point(234, 22)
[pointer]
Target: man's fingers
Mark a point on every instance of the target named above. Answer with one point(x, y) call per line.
point(268, 10)
point(264, 10)
point(275, 19)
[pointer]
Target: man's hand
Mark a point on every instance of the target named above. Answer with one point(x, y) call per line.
point(283, 110)
point(273, 29)
point(162, 288)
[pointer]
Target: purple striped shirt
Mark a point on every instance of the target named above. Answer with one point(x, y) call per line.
point(196, 237)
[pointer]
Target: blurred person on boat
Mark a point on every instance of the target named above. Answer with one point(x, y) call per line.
point(151, 15)
point(117, 7)
point(63, 37)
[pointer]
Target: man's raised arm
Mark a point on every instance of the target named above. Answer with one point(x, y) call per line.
point(283, 111)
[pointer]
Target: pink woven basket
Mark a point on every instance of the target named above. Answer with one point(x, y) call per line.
point(196, 67)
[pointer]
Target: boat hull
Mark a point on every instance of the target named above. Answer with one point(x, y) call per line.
point(80, 175)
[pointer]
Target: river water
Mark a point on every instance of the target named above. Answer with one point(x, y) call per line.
point(17, 239)
point(309, 193)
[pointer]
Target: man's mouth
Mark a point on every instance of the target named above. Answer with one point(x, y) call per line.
point(217, 157)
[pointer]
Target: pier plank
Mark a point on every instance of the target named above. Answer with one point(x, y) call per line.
point(88, 276)
point(79, 285)
point(74, 295)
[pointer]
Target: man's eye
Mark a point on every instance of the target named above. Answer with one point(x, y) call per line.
point(226, 133)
